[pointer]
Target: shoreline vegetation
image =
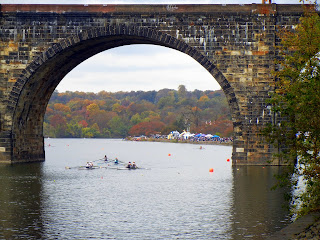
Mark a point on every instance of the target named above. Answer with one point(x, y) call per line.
point(296, 101)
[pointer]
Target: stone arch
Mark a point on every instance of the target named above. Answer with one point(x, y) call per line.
point(29, 96)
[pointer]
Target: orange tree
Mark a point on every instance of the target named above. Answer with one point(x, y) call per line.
point(147, 128)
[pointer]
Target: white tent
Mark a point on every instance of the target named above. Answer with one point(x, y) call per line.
point(187, 135)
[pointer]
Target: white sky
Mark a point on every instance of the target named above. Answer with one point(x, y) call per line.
point(139, 67)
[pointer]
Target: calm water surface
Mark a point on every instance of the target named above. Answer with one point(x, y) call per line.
point(176, 197)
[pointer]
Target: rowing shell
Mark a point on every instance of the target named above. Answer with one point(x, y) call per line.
point(88, 168)
point(138, 168)
point(126, 168)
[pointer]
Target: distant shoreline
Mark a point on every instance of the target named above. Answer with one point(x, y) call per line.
point(229, 143)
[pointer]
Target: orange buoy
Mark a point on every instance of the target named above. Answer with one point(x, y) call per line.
point(228, 160)
point(169, 154)
point(211, 170)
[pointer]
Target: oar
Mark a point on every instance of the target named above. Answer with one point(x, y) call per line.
point(110, 164)
point(113, 160)
point(69, 167)
point(81, 167)
point(111, 167)
point(74, 167)
point(106, 162)
point(98, 160)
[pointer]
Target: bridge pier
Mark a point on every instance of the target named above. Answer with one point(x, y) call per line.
point(251, 149)
point(5, 147)
point(22, 149)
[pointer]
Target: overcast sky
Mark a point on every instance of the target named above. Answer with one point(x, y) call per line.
point(138, 67)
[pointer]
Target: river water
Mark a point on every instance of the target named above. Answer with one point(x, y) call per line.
point(174, 197)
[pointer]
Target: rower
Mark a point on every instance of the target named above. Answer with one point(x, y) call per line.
point(88, 165)
point(134, 166)
point(105, 158)
point(129, 165)
point(116, 161)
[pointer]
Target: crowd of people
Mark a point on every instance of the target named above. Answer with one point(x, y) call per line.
point(192, 139)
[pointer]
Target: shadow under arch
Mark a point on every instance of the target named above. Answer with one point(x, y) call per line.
point(31, 93)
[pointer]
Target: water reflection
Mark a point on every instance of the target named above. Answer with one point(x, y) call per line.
point(257, 210)
point(20, 201)
point(178, 198)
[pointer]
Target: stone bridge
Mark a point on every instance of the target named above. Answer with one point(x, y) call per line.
point(40, 44)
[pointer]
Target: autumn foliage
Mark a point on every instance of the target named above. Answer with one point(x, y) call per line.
point(117, 115)
point(221, 127)
point(147, 128)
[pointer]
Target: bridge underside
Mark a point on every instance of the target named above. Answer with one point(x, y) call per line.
point(43, 43)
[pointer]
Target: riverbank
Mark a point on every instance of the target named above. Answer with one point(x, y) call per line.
point(306, 228)
point(226, 143)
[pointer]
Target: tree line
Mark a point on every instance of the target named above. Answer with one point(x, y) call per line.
point(121, 114)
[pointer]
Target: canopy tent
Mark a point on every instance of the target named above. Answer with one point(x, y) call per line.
point(188, 135)
point(200, 135)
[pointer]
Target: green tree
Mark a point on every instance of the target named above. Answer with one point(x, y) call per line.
point(296, 102)
point(166, 101)
point(74, 130)
point(118, 127)
point(135, 119)
point(48, 130)
point(87, 132)
point(182, 92)
point(96, 129)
